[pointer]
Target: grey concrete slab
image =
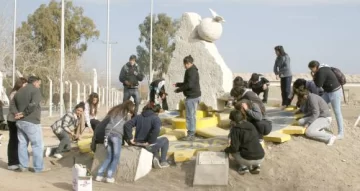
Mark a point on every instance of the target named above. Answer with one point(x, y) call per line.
point(280, 119)
point(211, 169)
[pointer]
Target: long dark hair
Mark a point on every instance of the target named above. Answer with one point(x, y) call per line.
point(280, 49)
point(19, 84)
point(122, 109)
point(80, 105)
point(90, 102)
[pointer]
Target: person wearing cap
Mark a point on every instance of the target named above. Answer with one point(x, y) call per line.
point(158, 94)
point(259, 84)
point(130, 76)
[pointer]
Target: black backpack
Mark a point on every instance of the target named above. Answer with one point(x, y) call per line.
point(341, 78)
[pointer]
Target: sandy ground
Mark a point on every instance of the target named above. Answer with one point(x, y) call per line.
point(300, 164)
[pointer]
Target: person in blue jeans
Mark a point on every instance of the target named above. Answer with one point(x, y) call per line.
point(191, 90)
point(325, 78)
point(282, 70)
point(147, 129)
point(114, 132)
point(27, 111)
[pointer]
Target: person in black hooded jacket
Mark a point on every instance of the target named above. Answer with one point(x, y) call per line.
point(244, 144)
point(147, 129)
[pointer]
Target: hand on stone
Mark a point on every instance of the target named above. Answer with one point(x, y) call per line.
point(306, 126)
point(265, 87)
point(132, 141)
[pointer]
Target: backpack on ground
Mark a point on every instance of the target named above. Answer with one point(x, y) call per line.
point(341, 78)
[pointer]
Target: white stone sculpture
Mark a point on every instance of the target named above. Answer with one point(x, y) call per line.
point(210, 29)
point(215, 76)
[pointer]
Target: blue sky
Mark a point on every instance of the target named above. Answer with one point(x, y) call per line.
point(326, 30)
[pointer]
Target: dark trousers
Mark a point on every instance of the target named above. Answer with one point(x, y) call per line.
point(162, 146)
point(65, 143)
point(285, 84)
point(134, 93)
point(12, 152)
point(261, 90)
point(263, 127)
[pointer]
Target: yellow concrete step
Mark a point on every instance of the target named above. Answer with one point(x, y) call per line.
point(212, 132)
point(180, 123)
point(291, 108)
point(199, 114)
point(277, 137)
point(165, 129)
point(299, 116)
point(184, 155)
point(175, 135)
point(293, 130)
point(84, 145)
point(223, 120)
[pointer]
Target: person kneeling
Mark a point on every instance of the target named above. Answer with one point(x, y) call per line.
point(147, 129)
point(114, 132)
point(244, 144)
point(317, 117)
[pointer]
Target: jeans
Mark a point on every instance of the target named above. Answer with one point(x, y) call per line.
point(134, 93)
point(30, 132)
point(316, 128)
point(12, 152)
point(113, 156)
point(190, 108)
point(285, 84)
point(244, 162)
point(260, 90)
point(65, 143)
point(335, 99)
point(161, 145)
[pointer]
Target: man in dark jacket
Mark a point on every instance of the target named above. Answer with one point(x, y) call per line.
point(26, 108)
point(130, 76)
point(147, 129)
point(191, 90)
point(259, 84)
point(325, 78)
point(244, 145)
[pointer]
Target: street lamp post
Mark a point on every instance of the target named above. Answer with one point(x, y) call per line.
point(14, 45)
point(151, 39)
point(107, 55)
point(62, 56)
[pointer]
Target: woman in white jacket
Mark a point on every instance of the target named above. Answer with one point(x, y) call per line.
point(90, 111)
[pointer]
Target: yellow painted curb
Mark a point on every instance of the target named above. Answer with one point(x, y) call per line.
point(299, 116)
point(184, 155)
point(212, 132)
point(165, 129)
point(277, 137)
point(199, 114)
point(84, 145)
point(175, 135)
point(293, 130)
point(180, 123)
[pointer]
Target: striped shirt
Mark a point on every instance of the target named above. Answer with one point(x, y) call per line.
point(68, 122)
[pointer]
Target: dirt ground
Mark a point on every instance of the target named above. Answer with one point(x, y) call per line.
point(299, 164)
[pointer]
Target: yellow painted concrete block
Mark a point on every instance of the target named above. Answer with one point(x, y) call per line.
point(263, 144)
point(290, 108)
point(277, 137)
point(84, 145)
point(299, 116)
point(199, 114)
point(294, 130)
point(212, 132)
point(175, 135)
point(166, 120)
point(180, 123)
point(295, 123)
point(165, 129)
point(184, 155)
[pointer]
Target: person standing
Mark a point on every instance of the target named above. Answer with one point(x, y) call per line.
point(324, 77)
point(259, 84)
point(191, 90)
point(27, 110)
point(130, 76)
point(12, 152)
point(282, 70)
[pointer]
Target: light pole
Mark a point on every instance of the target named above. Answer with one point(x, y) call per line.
point(107, 55)
point(14, 45)
point(62, 56)
point(151, 39)
point(50, 96)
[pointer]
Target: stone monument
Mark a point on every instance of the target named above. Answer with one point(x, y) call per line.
point(196, 37)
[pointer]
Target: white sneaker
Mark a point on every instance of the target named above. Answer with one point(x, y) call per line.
point(156, 163)
point(47, 152)
point(331, 140)
point(13, 167)
point(340, 136)
point(58, 156)
point(110, 180)
point(99, 178)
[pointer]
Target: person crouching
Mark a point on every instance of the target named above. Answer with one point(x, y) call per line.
point(244, 144)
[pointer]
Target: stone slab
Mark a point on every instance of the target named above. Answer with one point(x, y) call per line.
point(180, 123)
point(299, 116)
point(199, 114)
point(293, 130)
point(211, 169)
point(184, 155)
point(166, 129)
point(84, 145)
point(277, 137)
point(135, 163)
point(212, 132)
point(175, 135)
